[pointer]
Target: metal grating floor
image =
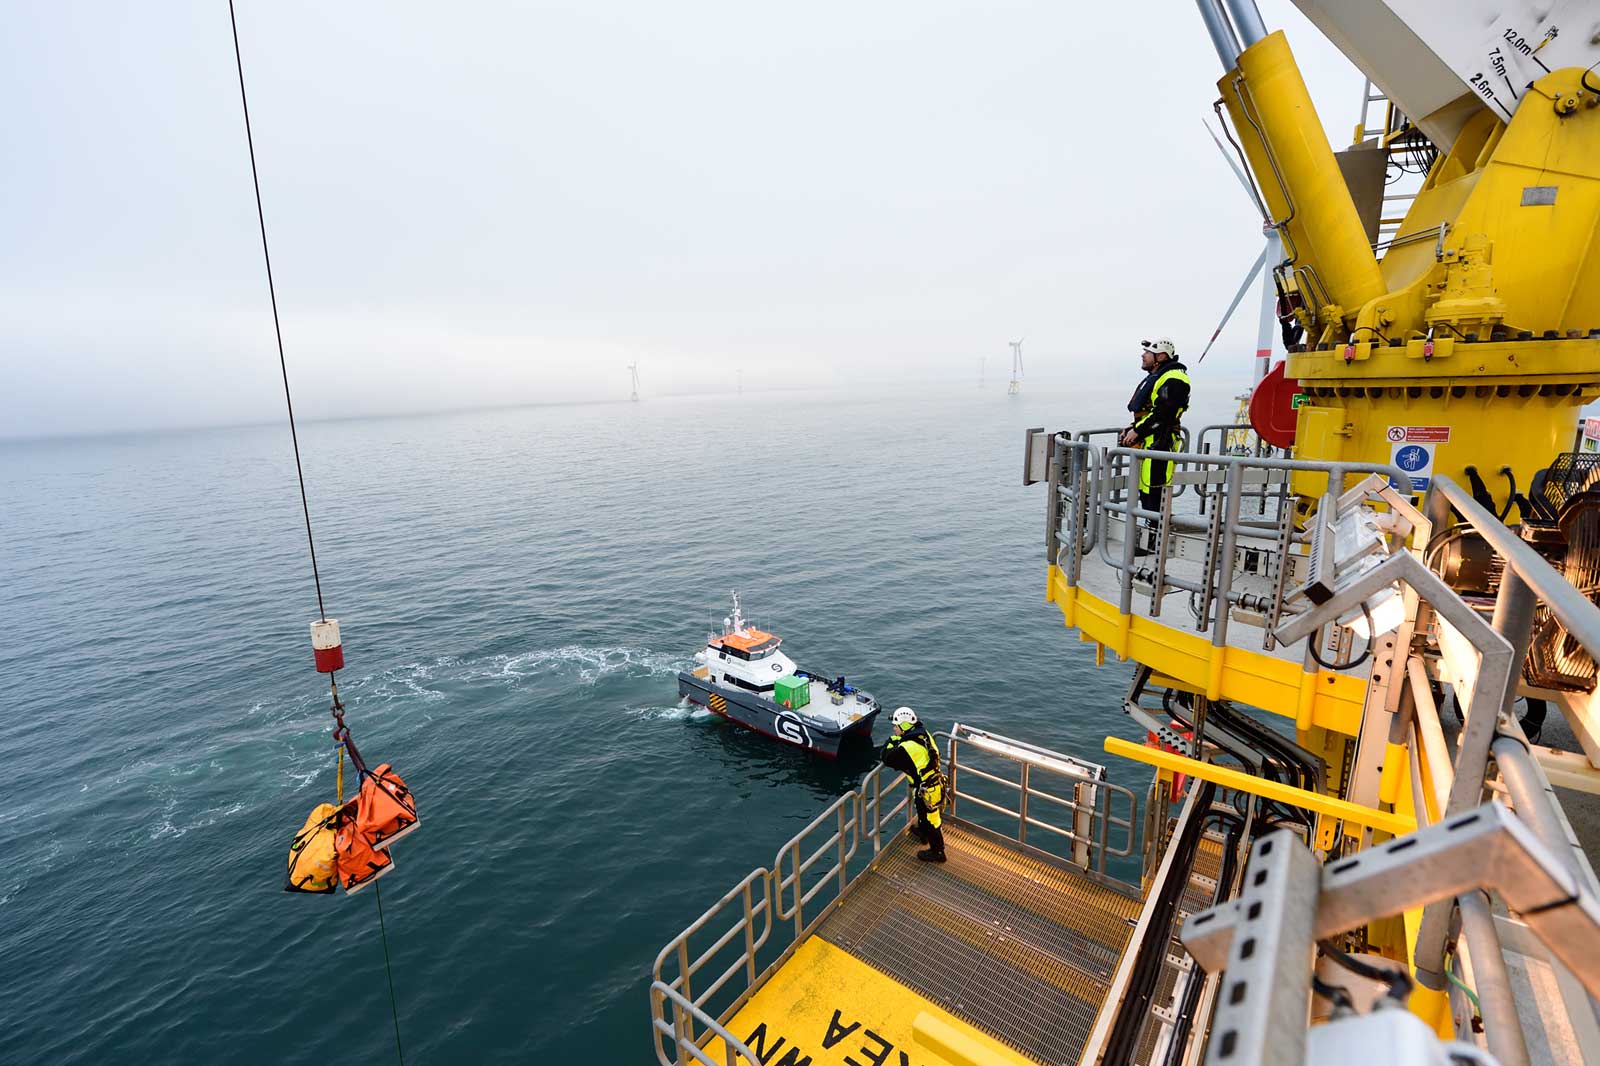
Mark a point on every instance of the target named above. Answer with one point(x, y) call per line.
point(1019, 947)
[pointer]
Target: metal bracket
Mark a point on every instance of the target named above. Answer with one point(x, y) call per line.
point(1261, 1008)
point(1485, 848)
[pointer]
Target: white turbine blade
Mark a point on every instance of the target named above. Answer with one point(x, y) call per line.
point(1255, 268)
point(1249, 188)
point(1269, 310)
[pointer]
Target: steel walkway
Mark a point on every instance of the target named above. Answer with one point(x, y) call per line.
point(1020, 947)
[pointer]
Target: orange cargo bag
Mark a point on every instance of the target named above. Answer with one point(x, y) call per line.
point(359, 865)
point(386, 810)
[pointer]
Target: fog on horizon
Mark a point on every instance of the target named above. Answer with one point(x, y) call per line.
point(509, 204)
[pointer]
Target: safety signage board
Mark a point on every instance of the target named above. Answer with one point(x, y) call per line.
point(1414, 448)
point(1591, 429)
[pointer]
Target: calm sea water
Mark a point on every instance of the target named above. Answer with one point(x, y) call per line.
point(517, 589)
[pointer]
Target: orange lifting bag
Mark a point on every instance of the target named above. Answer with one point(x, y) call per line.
point(385, 808)
point(359, 864)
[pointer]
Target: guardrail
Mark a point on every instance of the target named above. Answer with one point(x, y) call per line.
point(687, 1010)
point(871, 812)
point(1089, 436)
point(681, 953)
point(1091, 808)
point(845, 814)
point(1095, 489)
point(681, 1028)
point(1237, 438)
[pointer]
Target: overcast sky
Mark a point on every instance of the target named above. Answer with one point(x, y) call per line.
point(485, 203)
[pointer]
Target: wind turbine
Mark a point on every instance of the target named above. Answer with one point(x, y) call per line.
point(1016, 368)
point(1271, 255)
point(633, 368)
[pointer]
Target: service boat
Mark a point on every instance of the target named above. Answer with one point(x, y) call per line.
point(742, 676)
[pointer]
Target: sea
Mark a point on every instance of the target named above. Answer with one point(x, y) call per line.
point(518, 589)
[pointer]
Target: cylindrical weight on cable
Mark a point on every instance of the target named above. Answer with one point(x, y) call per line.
point(325, 645)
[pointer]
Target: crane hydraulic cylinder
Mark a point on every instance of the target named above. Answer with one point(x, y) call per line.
point(1304, 189)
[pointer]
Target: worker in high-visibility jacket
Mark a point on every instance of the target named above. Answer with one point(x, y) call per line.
point(911, 750)
point(1157, 407)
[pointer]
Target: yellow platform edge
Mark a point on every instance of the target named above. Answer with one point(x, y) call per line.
point(1321, 698)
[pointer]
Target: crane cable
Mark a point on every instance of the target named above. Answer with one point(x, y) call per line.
point(305, 506)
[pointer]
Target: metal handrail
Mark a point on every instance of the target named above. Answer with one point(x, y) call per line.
point(1258, 448)
point(873, 827)
point(1098, 815)
point(1115, 433)
point(1094, 500)
point(847, 823)
point(684, 1011)
point(1576, 612)
point(1084, 473)
point(677, 949)
point(1222, 429)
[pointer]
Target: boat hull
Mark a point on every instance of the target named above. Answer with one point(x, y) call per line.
point(781, 724)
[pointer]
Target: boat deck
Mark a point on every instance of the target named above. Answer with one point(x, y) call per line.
point(999, 949)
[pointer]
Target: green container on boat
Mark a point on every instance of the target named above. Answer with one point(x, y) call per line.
point(792, 692)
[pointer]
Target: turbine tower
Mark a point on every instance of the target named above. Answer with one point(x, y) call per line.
point(1016, 368)
point(633, 368)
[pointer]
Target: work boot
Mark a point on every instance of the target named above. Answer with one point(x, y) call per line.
point(935, 850)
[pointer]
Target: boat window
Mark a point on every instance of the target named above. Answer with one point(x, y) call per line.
point(742, 683)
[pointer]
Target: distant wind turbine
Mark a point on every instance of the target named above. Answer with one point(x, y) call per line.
point(1016, 368)
point(633, 368)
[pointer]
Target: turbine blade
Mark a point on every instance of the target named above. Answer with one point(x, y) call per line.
point(1249, 187)
point(1249, 279)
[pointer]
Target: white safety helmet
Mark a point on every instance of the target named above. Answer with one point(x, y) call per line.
point(1161, 346)
point(903, 718)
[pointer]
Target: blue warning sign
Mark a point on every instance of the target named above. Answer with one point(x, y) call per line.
point(1414, 448)
point(1412, 458)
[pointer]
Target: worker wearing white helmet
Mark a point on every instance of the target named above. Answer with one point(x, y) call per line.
point(911, 750)
point(1157, 407)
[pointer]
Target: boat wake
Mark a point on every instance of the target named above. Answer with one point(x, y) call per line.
point(590, 664)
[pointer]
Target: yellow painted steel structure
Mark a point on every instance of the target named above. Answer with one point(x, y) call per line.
point(1343, 810)
point(828, 1008)
point(1321, 699)
point(1485, 308)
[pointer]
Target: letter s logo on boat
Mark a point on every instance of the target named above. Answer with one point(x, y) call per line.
point(790, 729)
